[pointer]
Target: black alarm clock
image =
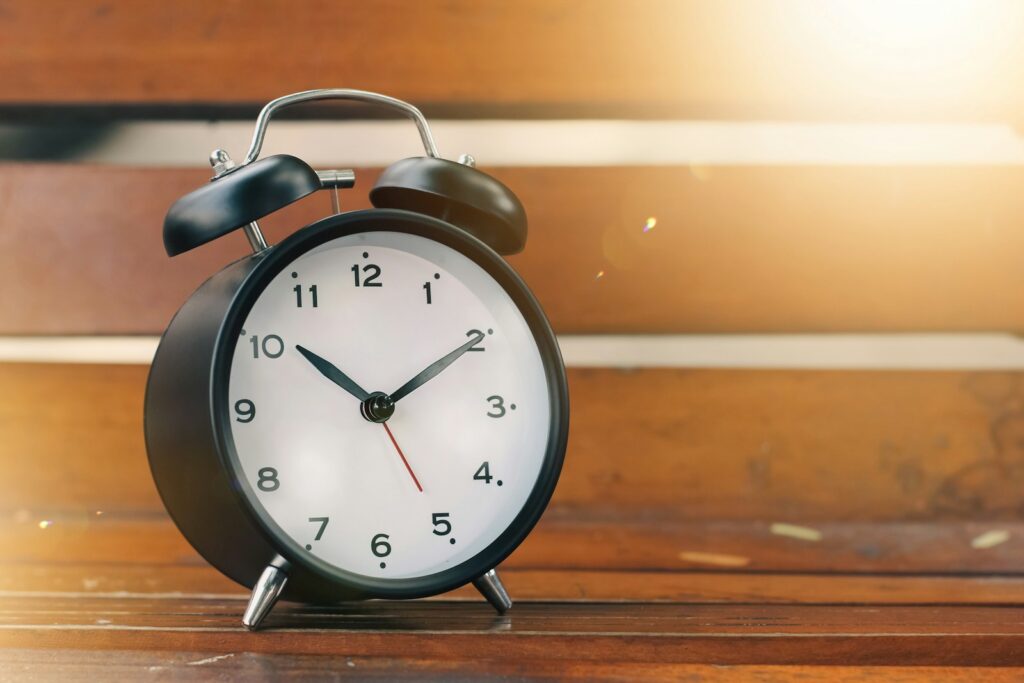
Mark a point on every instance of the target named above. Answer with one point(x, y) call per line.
point(375, 407)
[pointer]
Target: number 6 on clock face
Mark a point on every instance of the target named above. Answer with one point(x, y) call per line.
point(373, 327)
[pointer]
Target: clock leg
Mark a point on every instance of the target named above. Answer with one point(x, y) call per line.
point(264, 594)
point(490, 587)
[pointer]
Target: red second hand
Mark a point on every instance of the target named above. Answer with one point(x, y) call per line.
point(402, 456)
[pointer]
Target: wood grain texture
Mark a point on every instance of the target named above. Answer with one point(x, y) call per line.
point(799, 447)
point(723, 634)
point(182, 575)
point(894, 472)
point(77, 665)
point(700, 58)
point(626, 542)
point(735, 249)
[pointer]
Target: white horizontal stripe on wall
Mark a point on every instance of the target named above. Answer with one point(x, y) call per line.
point(563, 143)
point(799, 352)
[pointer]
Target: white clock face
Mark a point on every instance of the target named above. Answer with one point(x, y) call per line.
point(451, 468)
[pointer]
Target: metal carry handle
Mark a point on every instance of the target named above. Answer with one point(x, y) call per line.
point(337, 94)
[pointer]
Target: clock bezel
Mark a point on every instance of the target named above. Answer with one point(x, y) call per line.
point(391, 220)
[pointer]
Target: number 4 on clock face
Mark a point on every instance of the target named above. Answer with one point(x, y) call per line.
point(483, 473)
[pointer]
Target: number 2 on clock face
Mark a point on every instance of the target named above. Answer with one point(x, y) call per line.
point(451, 467)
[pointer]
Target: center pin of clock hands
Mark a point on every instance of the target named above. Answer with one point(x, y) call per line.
point(375, 407)
point(378, 406)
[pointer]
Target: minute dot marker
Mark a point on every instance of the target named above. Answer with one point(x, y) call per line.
point(309, 547)
point(452, 541)
point(383, 564)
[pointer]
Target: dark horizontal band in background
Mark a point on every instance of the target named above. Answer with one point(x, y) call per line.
point(100, 113)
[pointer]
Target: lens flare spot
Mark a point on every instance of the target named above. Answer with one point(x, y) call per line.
point(990, 539)
point(600, 274)
point(45, 524)
point(650, 223)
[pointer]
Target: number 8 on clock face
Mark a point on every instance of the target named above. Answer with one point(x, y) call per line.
point(455, 461)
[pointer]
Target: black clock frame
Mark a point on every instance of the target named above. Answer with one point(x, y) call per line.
point(188, 435)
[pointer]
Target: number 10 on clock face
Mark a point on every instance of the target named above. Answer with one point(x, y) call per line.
point(390, 406)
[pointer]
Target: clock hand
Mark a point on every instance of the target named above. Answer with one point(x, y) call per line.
point(334, 374)
point(434, 369)
point(401, 455)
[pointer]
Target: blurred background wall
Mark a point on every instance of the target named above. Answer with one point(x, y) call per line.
point(791, 230)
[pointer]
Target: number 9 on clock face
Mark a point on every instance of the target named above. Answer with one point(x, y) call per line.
point(391, 406)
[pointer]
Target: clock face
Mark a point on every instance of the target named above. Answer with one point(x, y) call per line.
point(390, 410)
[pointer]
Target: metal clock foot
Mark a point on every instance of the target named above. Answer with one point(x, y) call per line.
point(264, 594)
point(490, 587)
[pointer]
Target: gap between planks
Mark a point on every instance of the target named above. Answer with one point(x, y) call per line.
point(568, 143)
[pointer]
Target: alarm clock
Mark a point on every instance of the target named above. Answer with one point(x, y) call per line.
point(376, 406)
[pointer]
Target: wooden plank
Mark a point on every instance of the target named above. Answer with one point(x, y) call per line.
point(725, 634)
point(880, 472)
point(735, 249)
point(443, 617)
point(796, 447)
point(203, 666)
point(189, 578)
point(582, 542)
point(701, 58)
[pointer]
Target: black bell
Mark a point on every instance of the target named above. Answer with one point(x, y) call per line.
point(456, 193)
point(235, 199)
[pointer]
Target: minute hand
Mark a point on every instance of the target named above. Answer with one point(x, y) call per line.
point(434, 369)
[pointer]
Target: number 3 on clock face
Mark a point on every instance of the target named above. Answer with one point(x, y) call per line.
point(446, 473)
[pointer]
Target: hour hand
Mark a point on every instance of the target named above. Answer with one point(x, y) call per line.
point(328, 370)
point(434, 369)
